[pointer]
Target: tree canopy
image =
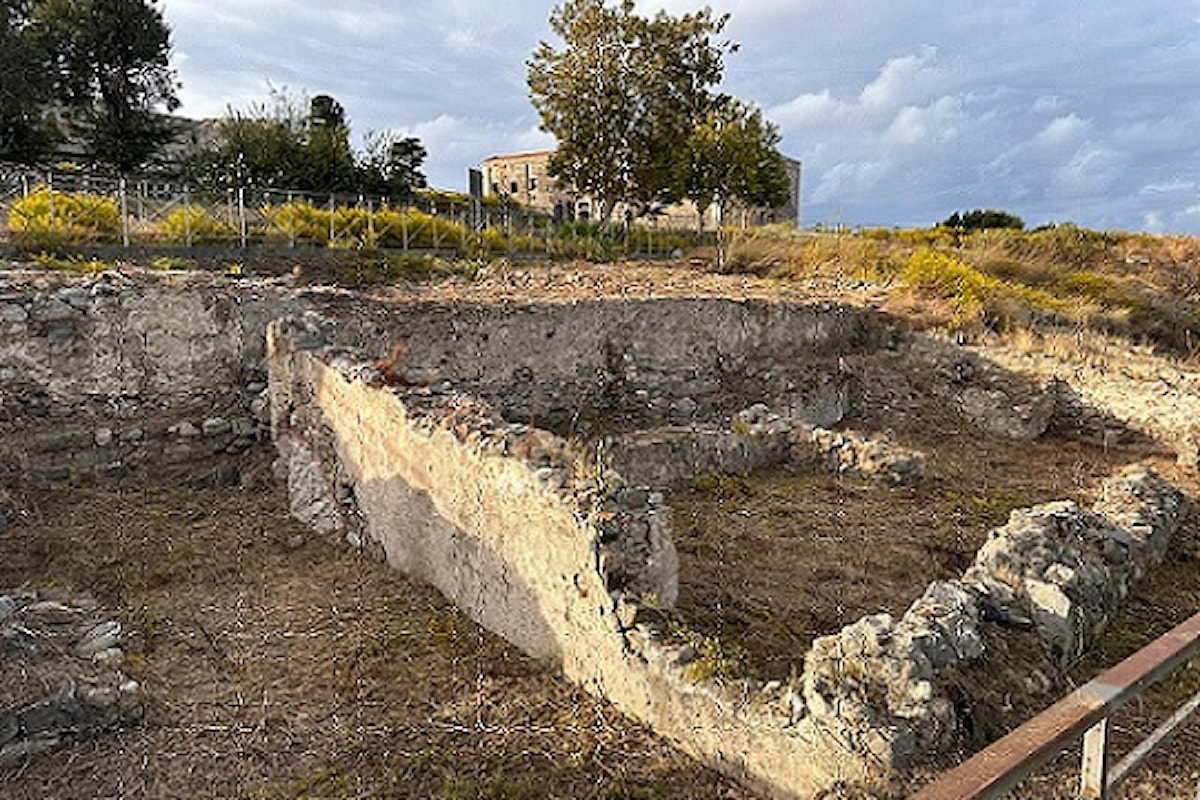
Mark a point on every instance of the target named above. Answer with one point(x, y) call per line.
point(25, 85)
point(110, 61)
point(103, 65)
point(982, 219)
point(622, 97)
point(734, 157)
point(293, 142)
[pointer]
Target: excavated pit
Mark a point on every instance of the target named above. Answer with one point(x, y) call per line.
point(686, 503)
point(771, 560)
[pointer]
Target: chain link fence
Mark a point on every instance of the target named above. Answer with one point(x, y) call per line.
point(56, 209)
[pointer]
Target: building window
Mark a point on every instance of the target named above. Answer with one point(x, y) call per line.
point(515, 188)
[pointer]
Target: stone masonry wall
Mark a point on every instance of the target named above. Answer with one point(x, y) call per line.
point(1058, 569)
point(620, 362)
point(122, 375)
point(537, 541)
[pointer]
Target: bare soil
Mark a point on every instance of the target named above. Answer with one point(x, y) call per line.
point(280, 666)
point(770, 561)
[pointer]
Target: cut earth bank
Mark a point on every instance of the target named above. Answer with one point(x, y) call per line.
point(428, 430)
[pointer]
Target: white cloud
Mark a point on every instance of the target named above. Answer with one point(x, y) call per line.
point(1177, 185)
point(937, 123)
point(1091, 170)
point(806, 111)
point(1061, 132)
point(1048, 104)
point(902, 80)
point(850, 179)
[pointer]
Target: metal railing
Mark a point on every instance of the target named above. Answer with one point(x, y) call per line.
point(1085, 712)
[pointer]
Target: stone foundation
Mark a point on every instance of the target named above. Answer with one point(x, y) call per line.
point(515, 455)
point(61, 673)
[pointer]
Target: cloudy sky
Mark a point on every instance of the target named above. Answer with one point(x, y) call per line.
point(902, 112)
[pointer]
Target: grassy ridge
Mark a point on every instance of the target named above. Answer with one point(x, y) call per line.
point(1140, 287)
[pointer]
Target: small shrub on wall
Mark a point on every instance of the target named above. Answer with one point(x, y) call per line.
point(46, 219)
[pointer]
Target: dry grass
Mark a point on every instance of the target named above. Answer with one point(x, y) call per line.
point(278, 666)
point(1142, 288)
point(769, 562)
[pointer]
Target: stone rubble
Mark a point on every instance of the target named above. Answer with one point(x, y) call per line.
point(845, 452)
point(61, 674)
point(1057, 568)
point(990, 398)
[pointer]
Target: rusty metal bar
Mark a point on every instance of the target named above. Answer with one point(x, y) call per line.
point(1000, 767)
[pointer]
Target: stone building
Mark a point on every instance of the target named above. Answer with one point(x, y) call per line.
point(523, 178)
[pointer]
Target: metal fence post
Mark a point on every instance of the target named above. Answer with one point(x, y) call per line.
point(332, 229)
point(1093, 771)
point(241, 199)
point(370, 224)
point(121, 189)
point(291, 218)
point(187, 216)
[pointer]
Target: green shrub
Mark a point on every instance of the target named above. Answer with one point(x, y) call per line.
point(48, 219)
point(974, 300)
point(197, 226)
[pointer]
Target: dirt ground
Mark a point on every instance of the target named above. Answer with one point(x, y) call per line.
point(770, 561)
point(279, 666)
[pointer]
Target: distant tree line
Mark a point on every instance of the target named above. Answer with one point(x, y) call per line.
point(982, 219)
point(294, 142)
point(92, 79)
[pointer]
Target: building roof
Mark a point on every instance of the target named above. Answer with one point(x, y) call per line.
point(529, 154)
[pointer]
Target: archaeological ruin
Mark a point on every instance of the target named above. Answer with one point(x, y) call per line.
point(524, 454)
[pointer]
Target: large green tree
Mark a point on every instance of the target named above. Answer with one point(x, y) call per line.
point(622, 95)
point(329, 159)
point(391, 165)
point(27, 131)
point(110, 61)
point(261, 146)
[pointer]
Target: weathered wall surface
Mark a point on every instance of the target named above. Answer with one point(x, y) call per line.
point(61, 677)
point(114, 376)
point(622, 362)
point(535, 540)
point(1152, 396)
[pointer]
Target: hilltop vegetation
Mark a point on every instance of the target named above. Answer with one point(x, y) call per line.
point(1058, 281)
